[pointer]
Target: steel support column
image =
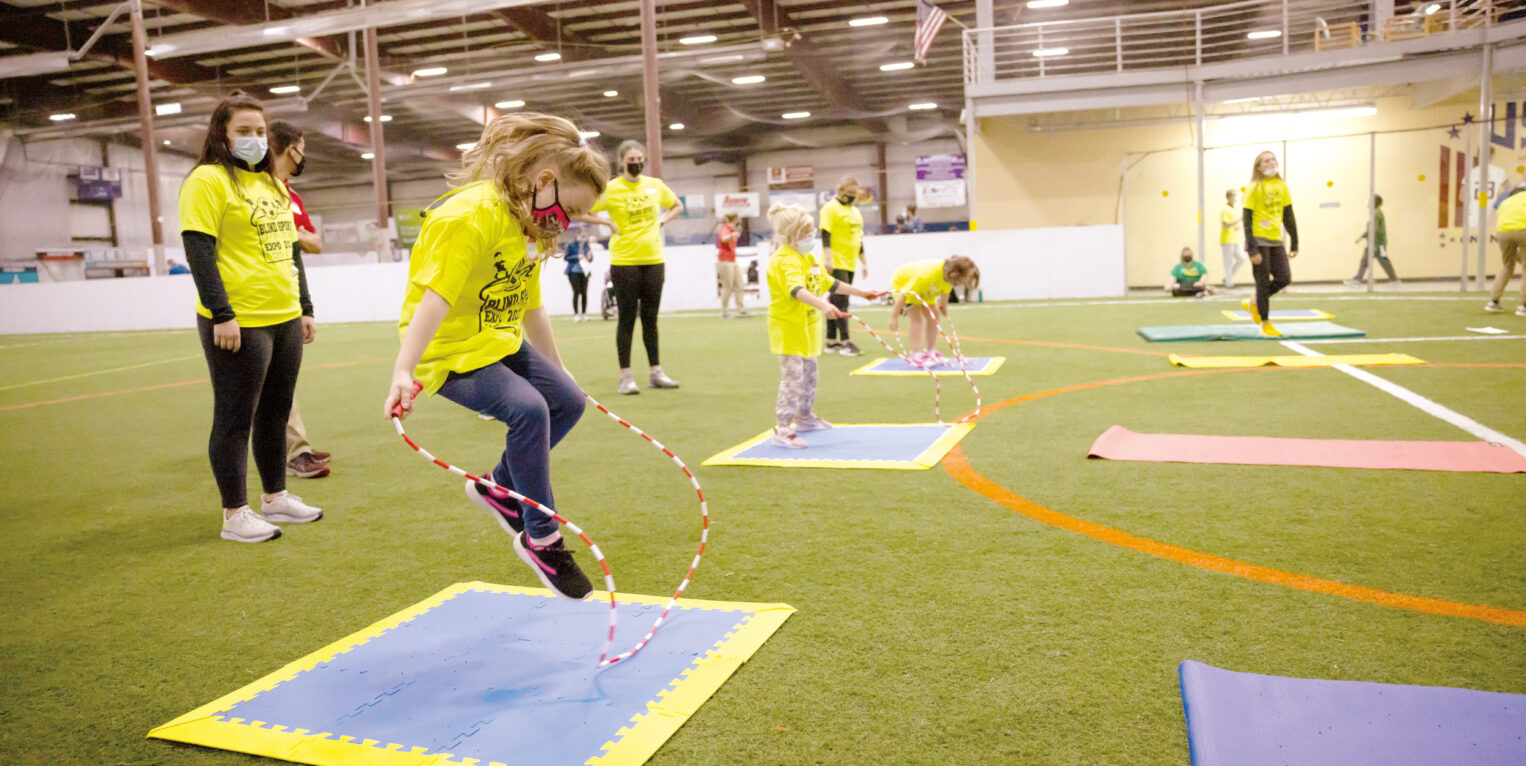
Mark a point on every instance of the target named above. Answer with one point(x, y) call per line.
point(150, 146)
point(1485, 156)
point(651, 96)
point(378, 144)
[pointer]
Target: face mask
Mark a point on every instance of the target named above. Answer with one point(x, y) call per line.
point(634, 168)
point(1186, 259)
point(805, 245)
point(301, 163)
point(250, 149)
point(549, 222)
point(845, 199)
point(1270, 170)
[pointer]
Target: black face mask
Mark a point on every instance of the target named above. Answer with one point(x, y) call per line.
point(634, 168)
point(845, 199)
point(301, 163)
point(1186, 259)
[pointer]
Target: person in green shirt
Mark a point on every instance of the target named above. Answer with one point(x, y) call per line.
point(1379, 247)
point(1188, 278)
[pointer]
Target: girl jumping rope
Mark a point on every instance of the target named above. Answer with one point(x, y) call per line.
point(474, 300)
point(929, 281)
point(795, 327)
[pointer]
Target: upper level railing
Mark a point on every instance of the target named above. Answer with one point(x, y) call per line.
point(1174, 39)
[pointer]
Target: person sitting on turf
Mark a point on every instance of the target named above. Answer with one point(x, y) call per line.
point(1187, 278)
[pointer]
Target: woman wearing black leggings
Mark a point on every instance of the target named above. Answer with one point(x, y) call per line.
point(638, 206)
point(253, 314)
point(1268, 214)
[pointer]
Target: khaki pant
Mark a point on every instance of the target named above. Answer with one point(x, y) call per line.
point(1512, 252)
point(730, 278)
point(296, 433)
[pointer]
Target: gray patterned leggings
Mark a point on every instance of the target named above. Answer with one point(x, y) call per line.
point(797, 388)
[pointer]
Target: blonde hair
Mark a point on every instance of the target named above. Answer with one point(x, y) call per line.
point(960, 270)
point(1255, 168)
point(845, 183)
point(790, 223)
point(512, 145)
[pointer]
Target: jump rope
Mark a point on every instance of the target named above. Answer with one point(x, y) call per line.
point(951, 337)
point(605, 660)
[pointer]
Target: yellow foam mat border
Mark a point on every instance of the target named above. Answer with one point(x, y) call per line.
point(1234, 314)
point(632, 745)
point(1178, 360)
point(990, 369)
point(926, 459)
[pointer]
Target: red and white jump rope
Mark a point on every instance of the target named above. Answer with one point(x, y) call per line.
point(953, 345)
point(605, 660)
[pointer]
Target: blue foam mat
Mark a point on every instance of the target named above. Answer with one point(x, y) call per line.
point(1246, 719)
point(917, 446)
point(973, 365)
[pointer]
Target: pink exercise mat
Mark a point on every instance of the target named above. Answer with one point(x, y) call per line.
point(1119, 443)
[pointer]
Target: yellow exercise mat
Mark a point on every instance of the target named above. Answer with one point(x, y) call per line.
point(1292, 361)
point(1281, 314)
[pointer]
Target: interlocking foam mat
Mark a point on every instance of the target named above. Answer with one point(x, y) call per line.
point(974, 365)
point(1245, 719)
point(1247, 331)
point(915, 446)
point(490, 674)
point(1280, 314)
point(1119, 443)
point(1179, 360)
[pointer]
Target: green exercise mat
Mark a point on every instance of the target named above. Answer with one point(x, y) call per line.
point(1292, 331)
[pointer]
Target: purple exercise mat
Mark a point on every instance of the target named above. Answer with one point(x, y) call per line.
point(1245, 719)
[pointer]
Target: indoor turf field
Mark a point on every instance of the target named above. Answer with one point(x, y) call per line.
point(1011, 605)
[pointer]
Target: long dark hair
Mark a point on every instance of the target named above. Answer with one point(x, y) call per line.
point(218, 148)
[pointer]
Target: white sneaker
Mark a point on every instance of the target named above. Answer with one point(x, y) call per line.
point(1493, 307)
point(246, 527)
point(290, 509)
point(811, 422)
point(628, 384)
point(660, 379)
point(1520, 310)
point(787, 438)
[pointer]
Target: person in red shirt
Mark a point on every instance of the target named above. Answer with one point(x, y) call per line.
point(726, 271)
point(287, 158)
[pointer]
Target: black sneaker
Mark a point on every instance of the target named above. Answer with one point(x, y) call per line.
point(848, 349)
point(832, 347)
point(504, 509)
point(554, 566)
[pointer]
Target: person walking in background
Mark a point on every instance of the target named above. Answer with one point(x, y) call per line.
point(842, 240)
point(253, 313)
point(726, 271)
point(638, 207)
point(1511, 227)
point(288, 157)
point(1268, 210)
point(1379, 247)
point(579, 252)
point(1230, 237)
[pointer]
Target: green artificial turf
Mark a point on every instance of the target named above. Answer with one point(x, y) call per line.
point(934, 626)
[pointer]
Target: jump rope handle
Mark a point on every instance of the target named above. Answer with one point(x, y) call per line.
point(397, 409)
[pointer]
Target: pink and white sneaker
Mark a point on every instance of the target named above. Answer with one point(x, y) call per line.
point(785, 437)
point(934, 359)
point(811, 422)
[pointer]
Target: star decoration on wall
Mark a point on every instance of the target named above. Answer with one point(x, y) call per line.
point(1467, 119)
point(1454, 132)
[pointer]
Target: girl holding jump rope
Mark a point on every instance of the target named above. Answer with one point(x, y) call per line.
point(473, 301)
point(929, 281)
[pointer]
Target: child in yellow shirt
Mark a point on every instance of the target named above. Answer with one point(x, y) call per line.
point(929, 280)
point(795, 311)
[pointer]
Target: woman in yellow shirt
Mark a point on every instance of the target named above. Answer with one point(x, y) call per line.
point(474, 299)
point(1268, 210)
point(638, 207)
point(795, 311)
point(253, 313)
point(930, 281)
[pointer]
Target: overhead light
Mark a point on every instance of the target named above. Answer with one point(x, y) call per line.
point(172, 107)
point(795, 115)
point(1045, 53)
point(920, 107)
point(549, 57)
point(1243, 100)
point(1036, 4)
point(1265, 34)
point(896, 67)
point(433, 71)
point(166, 142)
point(868, 21)
point(471, 86)
point(385, 118)
point(61, 117)
point(697, 40)
point(1432, 8)
point(466, 146)
point(676, 126)
point(282, 90)
point(509, 104)
point(368, 156)
point(275, 31)
point(752, 79)
point(726, 59)
point(611, 93)
point(589, 133)
point(160, 49)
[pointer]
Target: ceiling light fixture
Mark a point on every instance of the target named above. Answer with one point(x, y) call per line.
point(923, 106)
point(281, 90)
point(172, 107)
point(368, 156)
point(61, 117)
point(549, 57)
point(1045, 53)
point(676, 126)
point(275, 31)
point(509, 104)
point(471, 86)
point(385, 118)
point(868, 21)
point(697, 40)
point(795, 115)
point(896, 67)
point(1432, 8)
point(433, 71)
point(611, 93)
point(1265, 34)
point(589, 133)
point(752, 79)
point(466, 146)
point(1037, 4)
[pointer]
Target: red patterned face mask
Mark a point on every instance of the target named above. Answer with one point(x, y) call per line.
point(550, 221)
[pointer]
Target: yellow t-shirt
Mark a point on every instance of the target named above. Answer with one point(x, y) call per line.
point(1512, 213)
point(1265, 200)
point(1231, 225)
point(846, 225)
point(472, 252)
point(925, 278)
point(255, 234)
point(793, 327)
point(635, 207)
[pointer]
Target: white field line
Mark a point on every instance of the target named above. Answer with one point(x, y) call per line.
point(1414, 340)
point(1455, 418)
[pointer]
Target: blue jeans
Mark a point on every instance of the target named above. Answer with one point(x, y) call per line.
point(540, 404)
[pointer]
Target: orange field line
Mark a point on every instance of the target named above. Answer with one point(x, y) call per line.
point(958, 466)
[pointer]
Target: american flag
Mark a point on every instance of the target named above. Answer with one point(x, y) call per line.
point(930, 19)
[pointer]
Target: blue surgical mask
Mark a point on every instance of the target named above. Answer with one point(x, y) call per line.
point(805, 245)
point(250, 149)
